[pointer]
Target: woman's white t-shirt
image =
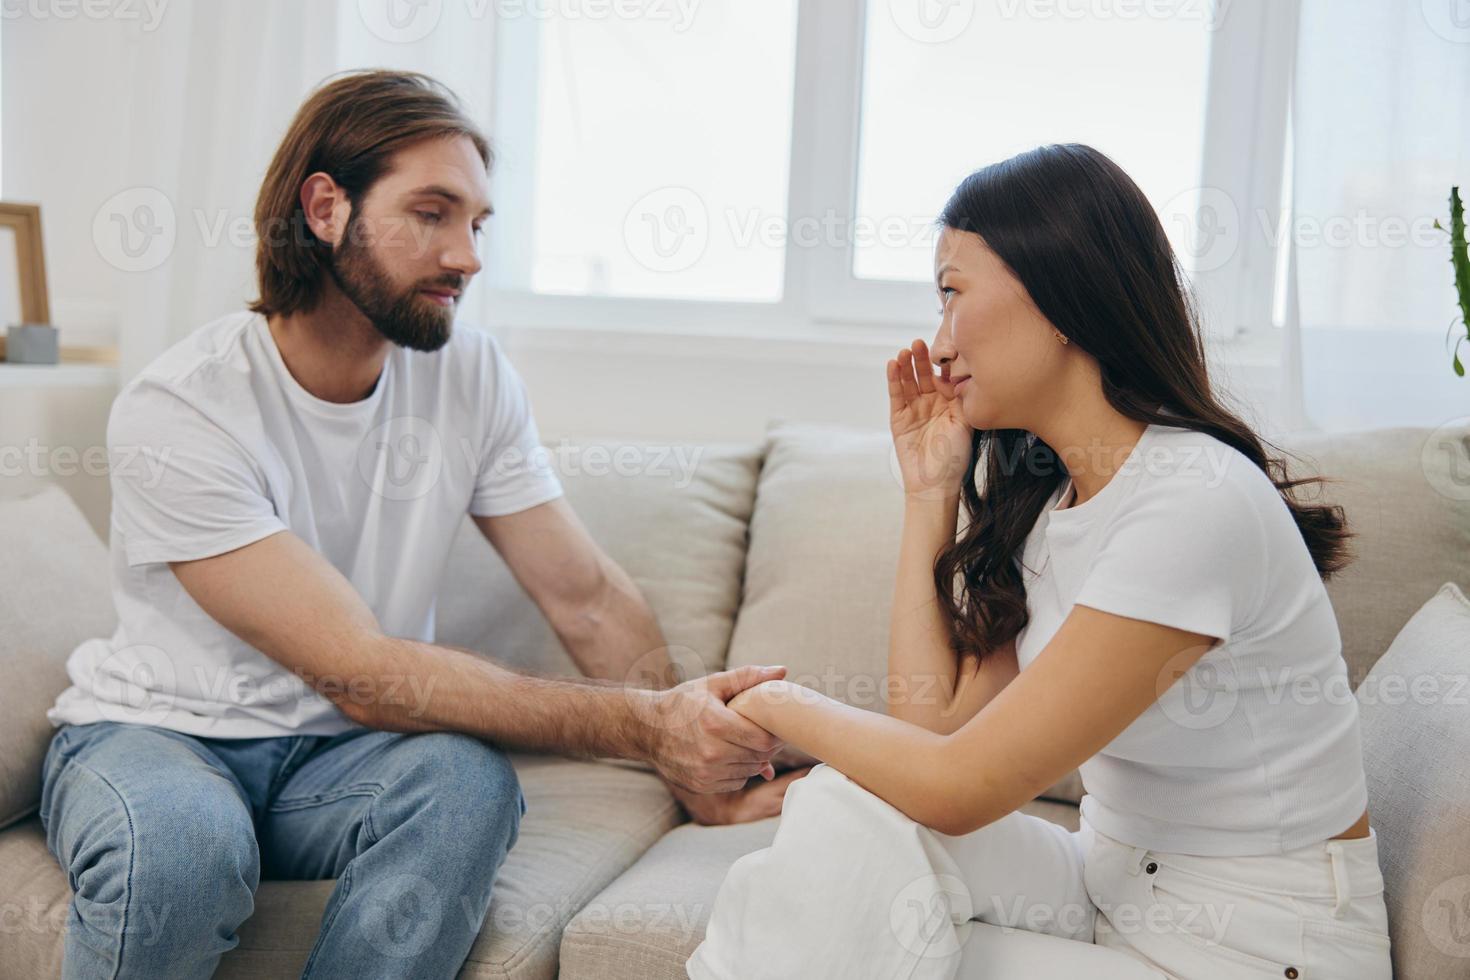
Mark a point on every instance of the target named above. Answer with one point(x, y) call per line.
point(215, 446)
point(1256, 748)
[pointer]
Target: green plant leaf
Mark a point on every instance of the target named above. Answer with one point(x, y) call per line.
point(1460, 260)
point(1459, 256)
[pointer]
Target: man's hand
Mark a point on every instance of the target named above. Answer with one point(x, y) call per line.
point(700, 745)
point(753, 802)
point(756, 800)
point(790, 757)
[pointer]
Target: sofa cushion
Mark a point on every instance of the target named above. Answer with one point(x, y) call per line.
point(645, 925)
point(823, 555)
point(54, 593)
point(1415, 743)
point(674, 517)
point(1407, 497)
point(585, 823)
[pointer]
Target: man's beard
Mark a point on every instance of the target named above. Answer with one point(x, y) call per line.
point(406, 319)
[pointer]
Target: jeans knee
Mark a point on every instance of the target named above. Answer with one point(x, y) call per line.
point(201, 866)
point(463, 786)
point(151, 873)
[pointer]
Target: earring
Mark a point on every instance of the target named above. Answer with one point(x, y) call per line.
point(1063, 337)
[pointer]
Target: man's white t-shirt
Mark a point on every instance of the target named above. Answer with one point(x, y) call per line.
point(1256, 749)
point(215, 446)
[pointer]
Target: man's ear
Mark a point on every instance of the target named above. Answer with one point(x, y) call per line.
point(326, 207)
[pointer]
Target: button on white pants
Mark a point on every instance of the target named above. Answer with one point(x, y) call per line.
point(852, 888)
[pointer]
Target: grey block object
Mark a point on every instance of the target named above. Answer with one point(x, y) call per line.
point(32, 343)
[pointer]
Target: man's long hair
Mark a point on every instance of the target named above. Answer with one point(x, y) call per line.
point(348, 128)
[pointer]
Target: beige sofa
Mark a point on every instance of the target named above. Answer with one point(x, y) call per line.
point(781, 553)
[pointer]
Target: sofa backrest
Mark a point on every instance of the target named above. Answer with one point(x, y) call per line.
point(674, 518)
point(54, 593)
point(823, 555)
point(1415, 742)
point(828, 517)
point(812, 591)
point(829, 510)
point(1407, 497)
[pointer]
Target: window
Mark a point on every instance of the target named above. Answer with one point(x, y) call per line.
point(936, 108)
point(781, 164)
point(658, 162)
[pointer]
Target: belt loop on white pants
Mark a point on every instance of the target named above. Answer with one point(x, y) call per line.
point(1135, 859)
point(1339, 878)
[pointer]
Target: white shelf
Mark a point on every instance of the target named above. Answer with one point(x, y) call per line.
point(57, 375)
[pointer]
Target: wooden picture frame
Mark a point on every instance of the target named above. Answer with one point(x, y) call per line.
point(30, 272)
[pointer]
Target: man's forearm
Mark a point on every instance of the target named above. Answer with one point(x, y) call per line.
point(407, 686)
point(615, 636)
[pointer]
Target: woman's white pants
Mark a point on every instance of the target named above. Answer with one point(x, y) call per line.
point(852, 888)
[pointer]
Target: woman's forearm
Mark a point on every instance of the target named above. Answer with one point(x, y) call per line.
point(902, 763)
point(922, 667)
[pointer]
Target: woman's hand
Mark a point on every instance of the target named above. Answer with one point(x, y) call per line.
point(774, 702)
point(930, 434)
point(769, 703)
point(749, 702)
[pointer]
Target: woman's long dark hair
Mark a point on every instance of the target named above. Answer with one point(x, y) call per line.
point(1085, 242)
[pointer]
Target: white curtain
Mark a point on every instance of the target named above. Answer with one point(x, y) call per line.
point(1381, 131)
point(212, 94)
point(147, 137)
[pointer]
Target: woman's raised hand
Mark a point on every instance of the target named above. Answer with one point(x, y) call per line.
point(930, 434)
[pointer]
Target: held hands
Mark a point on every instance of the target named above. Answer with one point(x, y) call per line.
point(699, 744)
point(930, 435)
point(700, 730)
point(754, 802)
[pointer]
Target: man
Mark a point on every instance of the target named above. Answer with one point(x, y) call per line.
point(271, 702)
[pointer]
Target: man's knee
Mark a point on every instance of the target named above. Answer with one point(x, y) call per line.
point(178, 867)
point(202, 856)
point(462, 783)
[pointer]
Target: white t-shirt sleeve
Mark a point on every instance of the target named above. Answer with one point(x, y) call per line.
point(182, 488)
point(515, 471)
point(1183, 553)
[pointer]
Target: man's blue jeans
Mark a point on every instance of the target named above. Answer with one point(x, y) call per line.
point(165, 836)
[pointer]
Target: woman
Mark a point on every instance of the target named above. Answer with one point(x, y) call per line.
point(1136, 590)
